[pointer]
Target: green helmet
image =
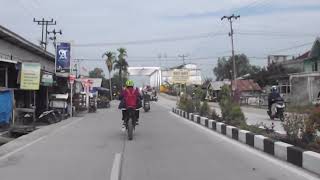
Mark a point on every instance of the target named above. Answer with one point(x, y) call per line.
point(129, 83)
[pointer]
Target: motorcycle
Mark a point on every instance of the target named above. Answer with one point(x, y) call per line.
point(92, 103)
point(277, 109)
point(146, 102)
point(146, 106)
point(130, 122)
point(154, 98)
point(50, 117)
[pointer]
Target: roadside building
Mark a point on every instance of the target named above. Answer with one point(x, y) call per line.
point(305, 86)
point(278, 59)
point(214, 88)
point(16, 51)
point(248, 91)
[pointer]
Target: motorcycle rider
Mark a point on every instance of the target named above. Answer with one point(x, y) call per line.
point(130, 97)
point(272, 97)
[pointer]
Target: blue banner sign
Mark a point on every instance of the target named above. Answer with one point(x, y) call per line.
point(63, 58)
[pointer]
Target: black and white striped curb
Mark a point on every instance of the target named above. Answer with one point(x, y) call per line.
point(306, 159)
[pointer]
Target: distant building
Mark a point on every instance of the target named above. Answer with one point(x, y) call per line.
point(275, 59)
point(214, 88)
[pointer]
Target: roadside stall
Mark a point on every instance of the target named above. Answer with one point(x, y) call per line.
point(6, 107)
point(103, 100)
point(25, 97)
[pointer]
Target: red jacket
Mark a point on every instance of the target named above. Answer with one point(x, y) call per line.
point(124, 94)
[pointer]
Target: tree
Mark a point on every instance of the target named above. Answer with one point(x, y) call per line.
point(224, 68)
point(121, 64)
point(96, 73)
point(109, 62)
point(271, 74)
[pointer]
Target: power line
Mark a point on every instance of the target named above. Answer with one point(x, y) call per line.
point(183, 56)
point(292, 47)
point(44, 24)
point(54, 38)
point(151, 41)
point(274, 34)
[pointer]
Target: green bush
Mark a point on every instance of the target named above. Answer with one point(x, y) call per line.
point(236, 116)
point(252, 128)
point(215, 116)
point(197, 105)
point(231, 112)
point(293, 124)
point(311, 126)
point(185, 103)
point(205, 109)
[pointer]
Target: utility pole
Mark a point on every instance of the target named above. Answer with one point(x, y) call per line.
point(230, 19)
point(78, 66)
point(183, 56)
point(44, 25)
point(54, 38)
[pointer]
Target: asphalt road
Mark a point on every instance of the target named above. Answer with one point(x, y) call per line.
point(165, 147)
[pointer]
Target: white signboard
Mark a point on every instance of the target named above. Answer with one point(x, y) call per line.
point(96, 82)
point(180, 76)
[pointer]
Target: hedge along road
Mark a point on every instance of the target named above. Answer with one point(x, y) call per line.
point(164, 147)
point(254, 115)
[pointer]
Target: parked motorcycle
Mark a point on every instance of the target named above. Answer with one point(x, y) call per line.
point(49, 117)
point(277, 109)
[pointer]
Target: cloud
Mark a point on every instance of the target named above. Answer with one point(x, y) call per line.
point(252, 9)
point(101, 21)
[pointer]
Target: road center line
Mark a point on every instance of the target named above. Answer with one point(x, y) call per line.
point(116, 167)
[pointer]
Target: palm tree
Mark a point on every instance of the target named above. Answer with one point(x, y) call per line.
point(109, 62)
point(121, 64)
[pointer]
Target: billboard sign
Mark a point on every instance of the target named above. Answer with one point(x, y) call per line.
point(71, 78)
point(30, 76)
point(63, 57)
point(180, 76)
point(47, 80)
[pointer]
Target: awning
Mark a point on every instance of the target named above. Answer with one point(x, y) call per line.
point(8, 61)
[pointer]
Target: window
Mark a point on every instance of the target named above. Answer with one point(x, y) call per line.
point(315, 66)
point(3, 77)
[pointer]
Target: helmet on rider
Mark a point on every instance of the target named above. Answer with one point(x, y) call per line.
point(274, 89)
point(129, 83)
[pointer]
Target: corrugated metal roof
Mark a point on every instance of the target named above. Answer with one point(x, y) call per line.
point(17, 40)
point(246, 85)
point(216, 85)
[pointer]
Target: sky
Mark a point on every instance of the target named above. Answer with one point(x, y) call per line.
point(155, 33)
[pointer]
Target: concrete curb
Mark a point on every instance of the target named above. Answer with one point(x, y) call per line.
point(308, 160)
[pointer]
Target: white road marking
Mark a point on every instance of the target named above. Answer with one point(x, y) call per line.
point(37, 140)
point(3, 133)
point(298, 171)
point(116, 167)
point(21, 148)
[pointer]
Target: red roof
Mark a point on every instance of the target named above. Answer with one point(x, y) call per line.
point(246, 85)
point(304, 56)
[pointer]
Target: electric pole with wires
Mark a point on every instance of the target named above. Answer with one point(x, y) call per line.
point(54, 38)
point(183, 56)
point(44, 25)
point(230, 19)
